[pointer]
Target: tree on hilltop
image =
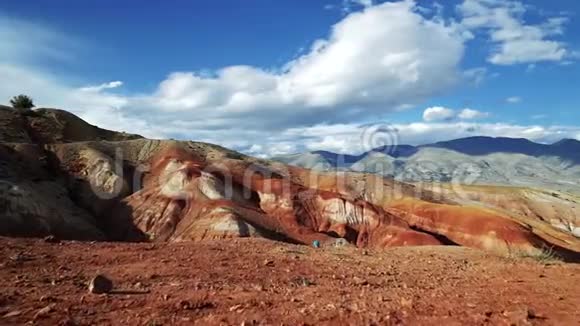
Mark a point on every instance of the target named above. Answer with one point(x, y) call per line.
point(22, 102)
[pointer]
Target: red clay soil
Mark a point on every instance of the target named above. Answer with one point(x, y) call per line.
point(262, 282)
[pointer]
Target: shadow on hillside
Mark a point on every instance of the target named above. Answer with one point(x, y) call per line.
point(566, 255)
point(118, 225)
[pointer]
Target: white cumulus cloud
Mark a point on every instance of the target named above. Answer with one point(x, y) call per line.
point(470, 114)
point(373, 61)
point(515, 41)
point(438, 113)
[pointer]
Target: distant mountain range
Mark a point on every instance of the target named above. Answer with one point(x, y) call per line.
point(478, 160)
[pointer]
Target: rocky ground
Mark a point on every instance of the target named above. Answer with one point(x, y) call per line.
point(262, 282)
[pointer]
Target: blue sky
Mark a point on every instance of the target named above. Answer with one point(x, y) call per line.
point(270, 78)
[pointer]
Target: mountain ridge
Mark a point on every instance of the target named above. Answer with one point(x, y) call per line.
point(477, 159)
point(457, 145)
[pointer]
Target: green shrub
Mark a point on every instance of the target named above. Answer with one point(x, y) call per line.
point(22, 102)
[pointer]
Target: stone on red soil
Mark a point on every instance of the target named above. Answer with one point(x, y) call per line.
point(100, 284)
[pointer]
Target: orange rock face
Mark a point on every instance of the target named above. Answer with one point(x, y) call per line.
point(185, 197)
point(468, 226)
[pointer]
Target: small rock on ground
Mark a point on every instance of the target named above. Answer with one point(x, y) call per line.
point(100, 284)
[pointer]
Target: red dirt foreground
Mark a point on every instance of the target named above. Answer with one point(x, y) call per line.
point(261, 282)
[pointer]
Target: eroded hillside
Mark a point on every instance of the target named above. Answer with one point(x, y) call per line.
point(64, 177)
